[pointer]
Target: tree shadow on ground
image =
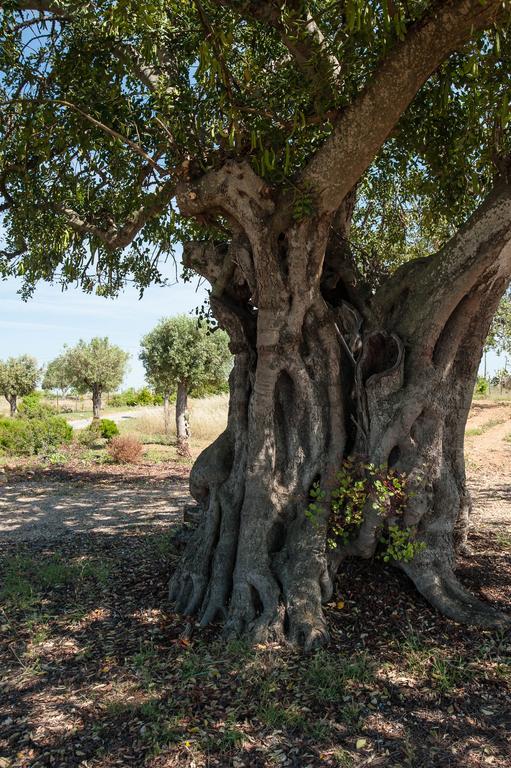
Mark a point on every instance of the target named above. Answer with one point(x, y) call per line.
point(99, 672)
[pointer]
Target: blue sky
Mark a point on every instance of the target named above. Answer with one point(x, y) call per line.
point(42, 325)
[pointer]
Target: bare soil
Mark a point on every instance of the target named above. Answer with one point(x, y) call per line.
point(98, 672)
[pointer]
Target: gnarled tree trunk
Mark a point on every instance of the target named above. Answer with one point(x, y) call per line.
point(13, 404)
point(96, 403)
point(166, 412)
point(324, 369)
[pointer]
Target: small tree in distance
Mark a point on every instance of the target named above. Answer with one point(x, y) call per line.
point(181, 353)
point(499, 336)
point(56, 377)
point(18, 377)
point(95, 367)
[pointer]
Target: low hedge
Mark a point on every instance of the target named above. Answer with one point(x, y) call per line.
point(27, 437)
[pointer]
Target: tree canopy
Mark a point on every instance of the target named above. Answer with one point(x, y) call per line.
point(108, 106)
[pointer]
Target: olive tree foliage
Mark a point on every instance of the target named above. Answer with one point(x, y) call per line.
point(183, 355)
point(340, 174)
point(94, 367)
point(18, 377)
point(56, 377)
point(499, 337)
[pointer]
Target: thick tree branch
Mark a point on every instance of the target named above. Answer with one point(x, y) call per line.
point(479, 254)
point(368, 121)
point(234, 190)
point(119, 237)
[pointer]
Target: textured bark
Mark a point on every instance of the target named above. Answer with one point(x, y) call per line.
point(166, 413)
point(13, 404)
point(96, 403)
point(182, 425)
point(388, 377)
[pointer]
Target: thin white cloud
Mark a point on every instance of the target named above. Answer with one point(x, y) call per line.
point(33, 326)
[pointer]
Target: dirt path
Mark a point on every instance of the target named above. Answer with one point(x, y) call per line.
point(50, 505)
point(488, 454)
point(114, 416)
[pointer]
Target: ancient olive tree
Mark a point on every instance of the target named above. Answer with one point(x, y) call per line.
point(181, 355)
point(56, 377)
point(339, 173)
point(18, 377)
point(94, 367)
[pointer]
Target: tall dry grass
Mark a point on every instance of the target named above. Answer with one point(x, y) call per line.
point(208, 418)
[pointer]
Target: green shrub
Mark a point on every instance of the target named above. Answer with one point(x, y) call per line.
point(91, 435)
point(108, 428)
point(28, 437)
point(133, 397)
point(482, 387)
point(32, 407)
point(145, 396)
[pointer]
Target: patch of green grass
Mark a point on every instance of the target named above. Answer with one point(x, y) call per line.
point(162, 725)
point(329, 675)
point(503, 541)
point(293, 718)
point(198, 664)
point(343, 758)
point(324, 675)
point(146, 662)
point(155, 439)
point(473, 431)
point(424, 661)
point(449, 673)
point(26, 579)
point(162, 543)
point(277, 716)
point(227, 738)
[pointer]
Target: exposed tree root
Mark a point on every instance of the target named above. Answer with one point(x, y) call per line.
point(443, 591)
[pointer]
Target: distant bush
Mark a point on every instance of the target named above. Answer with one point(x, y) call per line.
point(28, 437)
point(482, 387)
point(133, 397)
point(125, 449)
point(98, 429)
point(209, 390)
point(108, 428)
point(32, 407)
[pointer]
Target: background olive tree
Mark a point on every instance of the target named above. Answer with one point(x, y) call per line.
point(56, 377)
point(183, 355)
point(94, 367)
point(18, 377)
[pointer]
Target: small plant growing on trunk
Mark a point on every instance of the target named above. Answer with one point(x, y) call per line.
point(362, 489)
